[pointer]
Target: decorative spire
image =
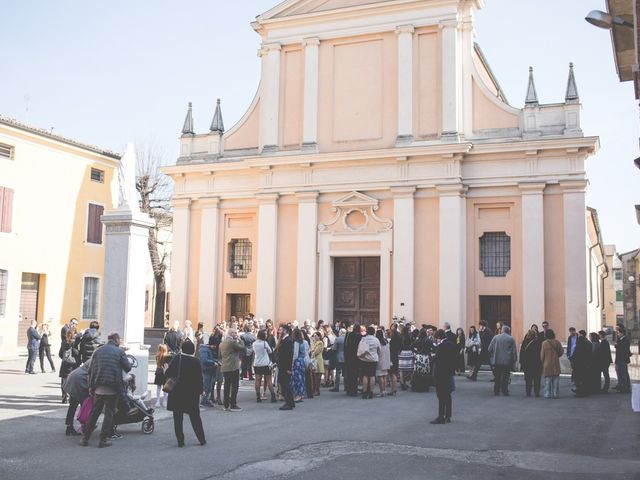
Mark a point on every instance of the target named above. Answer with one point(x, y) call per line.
point(532, 95)
point(572, 90)
point(187, 128)
point(217, 125)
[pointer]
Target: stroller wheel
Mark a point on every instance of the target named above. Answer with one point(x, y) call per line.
point(148, 426)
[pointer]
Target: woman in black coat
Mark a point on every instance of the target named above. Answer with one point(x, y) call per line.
point(185, 397)
point(530, 362)
point(460, 345)
point(66, 367)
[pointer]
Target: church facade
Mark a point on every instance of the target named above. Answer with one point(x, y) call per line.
point(380, 172)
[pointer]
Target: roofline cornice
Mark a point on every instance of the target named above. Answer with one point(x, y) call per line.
point(39, 132)
point(588, 145)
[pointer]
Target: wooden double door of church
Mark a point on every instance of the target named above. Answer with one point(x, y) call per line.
point(356, 293)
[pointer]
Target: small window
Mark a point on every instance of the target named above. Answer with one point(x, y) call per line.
point(6, 209)
point(94, 225)
point(6, 151)
point(619, 297)
point(239, 257)
point(97, 175)
point(4, 282)
point(618, 275)
point(90, 298)
point(495, 254)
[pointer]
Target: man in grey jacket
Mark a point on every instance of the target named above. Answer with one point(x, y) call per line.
point(504, 355)
point(105, 385)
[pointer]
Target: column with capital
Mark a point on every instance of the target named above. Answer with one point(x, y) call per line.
point(267, 255)
point(306, 271)
point(180, 258)
point(453, 258)
point(209, 250)
point(533, 309)
point(403, 252)
point(405, 83)
point(575, 265)
point(270, 97)
point(311, 76)
point(450, 80)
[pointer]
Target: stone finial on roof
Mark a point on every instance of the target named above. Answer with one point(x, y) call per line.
point(532, 95)
point(187, 128)
point(572, 90)
point(217, 125)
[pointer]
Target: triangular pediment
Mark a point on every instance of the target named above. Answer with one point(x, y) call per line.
point(290, 8)
point(355, 199)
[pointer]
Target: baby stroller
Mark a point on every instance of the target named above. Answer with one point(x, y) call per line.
point(130, 408)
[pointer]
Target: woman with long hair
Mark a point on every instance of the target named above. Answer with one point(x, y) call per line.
point(218, 334)
point(460, 345)
point(530, 362)
point(163, 359)
point(472, 346)
point(70, 359)
point(185, 397)
point(550, 354)
point(45, 347)
point(405, 357)
point(329, 355)
point(317, 360)
point(384, 362)
point(262, 365)
point(298, 386)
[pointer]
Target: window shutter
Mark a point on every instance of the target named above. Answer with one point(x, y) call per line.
point(6, 209)
point(94, 226)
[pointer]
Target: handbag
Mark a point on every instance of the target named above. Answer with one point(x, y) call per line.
point(171, 383)
point(68, 358)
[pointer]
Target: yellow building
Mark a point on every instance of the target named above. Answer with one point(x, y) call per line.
point(52, 193)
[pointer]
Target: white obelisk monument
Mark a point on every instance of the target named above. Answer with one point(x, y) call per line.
point(126, 234)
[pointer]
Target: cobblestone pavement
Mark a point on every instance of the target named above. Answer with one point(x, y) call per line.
point(334, 436)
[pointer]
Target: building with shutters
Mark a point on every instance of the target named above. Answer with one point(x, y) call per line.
point(53, 191)
point(380, 171)
point(613, 289)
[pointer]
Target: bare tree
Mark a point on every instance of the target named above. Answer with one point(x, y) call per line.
point(155, 191)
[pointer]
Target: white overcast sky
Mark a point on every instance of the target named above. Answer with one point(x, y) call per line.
point(109, 72)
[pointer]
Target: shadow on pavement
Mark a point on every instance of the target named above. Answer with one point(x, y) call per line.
point(36, 402)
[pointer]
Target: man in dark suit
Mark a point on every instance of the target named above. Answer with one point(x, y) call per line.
point(448, 333)
point(444, 369)
point(285, 366)
point(580, 364)
point(65, 328)
point(604, 359)
point(623, 357)
point(33, 345)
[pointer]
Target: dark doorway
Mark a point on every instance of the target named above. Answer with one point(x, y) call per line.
point(495, 308)
point(356, 292)
point(29, 293)
point(239, 304)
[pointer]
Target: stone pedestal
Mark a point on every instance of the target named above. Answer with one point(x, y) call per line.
point(126, 235)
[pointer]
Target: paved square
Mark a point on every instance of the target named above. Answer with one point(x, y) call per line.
point(334, 436)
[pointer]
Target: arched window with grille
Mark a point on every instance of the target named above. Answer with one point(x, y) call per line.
point(495, 254)
point(239, 257)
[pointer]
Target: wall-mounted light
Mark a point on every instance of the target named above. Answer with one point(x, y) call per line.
point(605, 20)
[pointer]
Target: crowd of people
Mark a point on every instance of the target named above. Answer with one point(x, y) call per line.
point(373, 359)
point(295, 362)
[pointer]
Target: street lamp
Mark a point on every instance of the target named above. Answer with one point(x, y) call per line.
point(605, 20)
